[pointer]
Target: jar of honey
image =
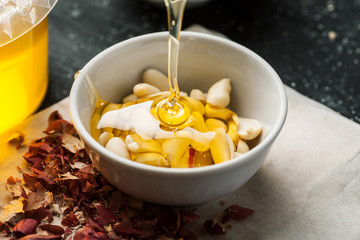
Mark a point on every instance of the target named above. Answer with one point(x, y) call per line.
point(23, 58)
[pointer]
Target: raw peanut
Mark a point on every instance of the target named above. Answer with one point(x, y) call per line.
point(222, 139)
point(156, 78)
point(199, 123)
point(203, 159)
point(117, 146)
point(174, 149)
point(130, 98)
point(220, 147)
point(183, 94)
point(184, 160)
point(212, 111)
point(198, 95)
point(131, 144)
point(111, 107)
point(195, 105)
point(195, 120)
point(231, 146)
point(94, 131)
point(232, 131)
point(104, 138)
point(188, 123)
point(138, 145)
point(213, 123)
point(144, 89)
point(236, 154)
point(154, 159)
point(242, 147)
point(167, 93)
point(198, 140)
point(219, 93)
point(249, 129)
point(235, 118)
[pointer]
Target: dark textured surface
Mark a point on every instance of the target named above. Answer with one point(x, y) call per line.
point(312, 44)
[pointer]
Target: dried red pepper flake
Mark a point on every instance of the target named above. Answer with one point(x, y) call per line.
point(96, 226)
point(89, 187)
point(70, 220)
point(25, 226)
point(33, 157)
point(146, 226)
point(68, 209)
point(66, 176)
point(17, 138)
point(74, 189)
point(88, 233)
point(53, 229)
point(41, 237)
point(54, 116)
point(191, 157)
point(64, 182)
point(11, 180)
point(185, 233)
point(39, 166)
point(188, 217)
point(72, 143)
point(59, 127)
point(213, 227)
point(40, 214)
point(67, 233)
point(234, 212)
point(126, 230)
point(30, 179)
point(40, 198)
point(41, 175)
point(168, 219)
point(237, 213)
point(42, 147)
point(105, 216)
point(16, 189)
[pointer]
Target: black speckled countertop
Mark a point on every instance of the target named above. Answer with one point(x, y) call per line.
point(314, 45)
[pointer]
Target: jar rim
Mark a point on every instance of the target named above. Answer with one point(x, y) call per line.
point(18, 17)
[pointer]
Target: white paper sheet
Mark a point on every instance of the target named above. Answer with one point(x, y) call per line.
point(308, 187)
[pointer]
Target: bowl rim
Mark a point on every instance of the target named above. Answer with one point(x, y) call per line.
point(241, 160)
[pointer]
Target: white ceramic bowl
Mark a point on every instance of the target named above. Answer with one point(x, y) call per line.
point(257, 92)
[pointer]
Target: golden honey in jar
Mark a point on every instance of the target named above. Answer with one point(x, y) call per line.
point(23, 60)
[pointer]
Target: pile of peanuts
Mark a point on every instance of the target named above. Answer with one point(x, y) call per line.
point(220, 134)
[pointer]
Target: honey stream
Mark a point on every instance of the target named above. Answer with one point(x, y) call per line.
point(166, 129)
point(173, 111)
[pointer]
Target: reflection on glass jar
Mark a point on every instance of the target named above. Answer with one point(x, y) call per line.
point(23, 75)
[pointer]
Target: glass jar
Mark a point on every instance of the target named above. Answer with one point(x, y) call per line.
point(23, 58)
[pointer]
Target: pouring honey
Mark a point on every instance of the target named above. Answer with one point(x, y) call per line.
point(168, 128)
point(172, 110)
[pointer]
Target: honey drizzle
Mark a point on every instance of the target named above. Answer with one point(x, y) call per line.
point(175, 12)
point(172, 111)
